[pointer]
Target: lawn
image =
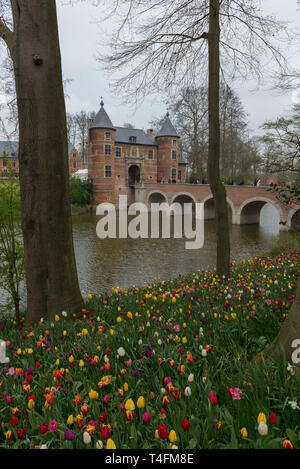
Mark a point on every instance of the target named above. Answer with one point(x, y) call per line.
point(167, 365)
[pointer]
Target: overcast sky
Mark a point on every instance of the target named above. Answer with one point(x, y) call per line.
point(81, 38)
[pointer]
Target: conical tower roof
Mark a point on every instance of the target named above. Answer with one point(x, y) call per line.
point(167, 129)
point(102, 121)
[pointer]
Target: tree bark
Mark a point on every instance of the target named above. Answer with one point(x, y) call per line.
point(217, 188)
point(51, 274)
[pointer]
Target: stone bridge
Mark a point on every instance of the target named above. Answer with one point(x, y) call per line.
point(245, 202)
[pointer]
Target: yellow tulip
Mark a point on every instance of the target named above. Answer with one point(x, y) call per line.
point(244, 432)
point(110, 444)
point(172, 436)
point(31, 403)
point(93, 394)
point(140, 402)
point(261, 418)
point(129, 404)
point(70, 420)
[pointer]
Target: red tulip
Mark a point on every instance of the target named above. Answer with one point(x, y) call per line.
point(43, 428)
point(14, 421)
point(287, 444)
point(163, 432)
point(185, 424)
point(105, 432)
point(21, 432)
point(102, 417)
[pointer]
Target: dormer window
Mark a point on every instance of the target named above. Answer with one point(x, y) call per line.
point(132, 139)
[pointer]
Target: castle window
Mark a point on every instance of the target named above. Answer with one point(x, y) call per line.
point(174, 154)
point(150, 154)
point(108, 171)
point(4, 163)
point(173, 173)
point(174, 143)
point(179, 175)
point(14, 163)
point(74, 155)
point(132, 139)
point(107, 150)
point(118, 152)
point(134, 152)
point(74, 164)
point(107, 135)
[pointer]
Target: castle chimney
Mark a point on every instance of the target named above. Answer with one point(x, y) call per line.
point(150, 133)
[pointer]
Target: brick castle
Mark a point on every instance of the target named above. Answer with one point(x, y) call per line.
point(121, 159)
point(10, 150)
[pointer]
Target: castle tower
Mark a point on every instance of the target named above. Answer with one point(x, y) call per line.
point(101, 161)
point(168, 151)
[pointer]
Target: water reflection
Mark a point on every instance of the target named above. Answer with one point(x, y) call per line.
point(103, 264)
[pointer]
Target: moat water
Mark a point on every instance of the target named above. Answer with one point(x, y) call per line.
point(103, 264)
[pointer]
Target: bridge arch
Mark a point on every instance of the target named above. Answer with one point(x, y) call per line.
point(157, 197)
point(293, 219)
point(209, 208)
point(249, 211)
point(184, 197)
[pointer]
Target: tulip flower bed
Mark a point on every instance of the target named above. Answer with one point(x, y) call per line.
point(160, 366)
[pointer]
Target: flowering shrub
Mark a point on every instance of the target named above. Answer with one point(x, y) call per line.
point(165, 365)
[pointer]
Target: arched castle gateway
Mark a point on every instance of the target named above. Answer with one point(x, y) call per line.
point(125, 161)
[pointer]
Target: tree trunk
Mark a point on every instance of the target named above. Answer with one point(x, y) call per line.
point(289, 332)
point(51, 275)
point(217, 188)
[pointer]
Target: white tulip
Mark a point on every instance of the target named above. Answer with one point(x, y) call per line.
point(204, 353)
point(188, 391)
point(293, 405)
point(191, 378)
point(86, 438)
point(262, 429)
point(121, 351)
point(99, 444)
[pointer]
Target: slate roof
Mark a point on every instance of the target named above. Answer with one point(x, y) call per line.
point(11, 148)
point(123, 135)
point(167, 129)
point(102, 121)
point(70, 147)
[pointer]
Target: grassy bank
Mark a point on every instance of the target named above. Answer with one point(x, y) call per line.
point(160, 366)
